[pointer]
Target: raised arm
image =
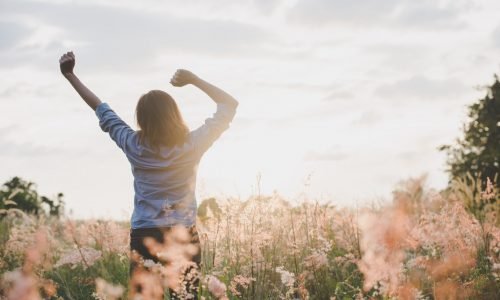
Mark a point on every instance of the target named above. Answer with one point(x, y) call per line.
point(183, 77)
point(67, 64)
point(109, 121)
point(204, 136)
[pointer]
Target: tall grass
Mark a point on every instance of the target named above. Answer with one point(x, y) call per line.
point(422, 245)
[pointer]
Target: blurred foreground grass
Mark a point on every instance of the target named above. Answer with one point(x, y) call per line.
point(423, 245)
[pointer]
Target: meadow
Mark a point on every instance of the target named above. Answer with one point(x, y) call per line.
point(423, 244)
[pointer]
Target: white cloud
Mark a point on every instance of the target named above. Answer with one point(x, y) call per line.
point(341, 95)
point(113, 36)
point(12, 33)
point(406, 13)
point(422, 88)
point(10, 148)
point(496, 36)
point(331, 155)
point(368, 118)
point(267, 6)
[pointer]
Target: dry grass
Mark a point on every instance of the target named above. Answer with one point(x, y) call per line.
point(422, 245)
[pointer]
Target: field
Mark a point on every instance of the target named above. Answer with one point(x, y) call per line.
point(424, 244)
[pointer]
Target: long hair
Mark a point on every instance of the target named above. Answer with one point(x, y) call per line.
point(160, 120)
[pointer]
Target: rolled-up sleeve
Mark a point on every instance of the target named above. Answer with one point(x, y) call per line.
point(110, 122)
point(205, 135)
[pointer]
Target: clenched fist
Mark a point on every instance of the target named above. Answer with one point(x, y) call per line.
point(183, 77)
point(67, 63)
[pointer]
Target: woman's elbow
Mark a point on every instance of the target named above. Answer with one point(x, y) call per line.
point(235, 103)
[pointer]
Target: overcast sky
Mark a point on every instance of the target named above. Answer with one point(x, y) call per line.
point(354, 95)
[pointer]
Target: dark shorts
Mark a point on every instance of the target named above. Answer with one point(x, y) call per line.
point(137, 237)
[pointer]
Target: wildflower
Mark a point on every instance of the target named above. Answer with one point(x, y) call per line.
point(49, 288)
point(316, 260)
point(23, 284)
point(216, 287)
point(302, 290)
point(108, 291)
point(383, 241)
point(239, 280)
point(489, 193)
point(287, 278)
point(145, 285)
point(175, 254)
point(149, 263)
point(20, 285)
point(85, 256)
point(496, 267)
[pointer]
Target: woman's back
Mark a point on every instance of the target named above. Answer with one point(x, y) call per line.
point(165, 177)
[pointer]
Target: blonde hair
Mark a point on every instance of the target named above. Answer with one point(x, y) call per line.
point(160, 120)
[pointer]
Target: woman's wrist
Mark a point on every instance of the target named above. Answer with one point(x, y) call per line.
point(196, 81)
point(69, 76)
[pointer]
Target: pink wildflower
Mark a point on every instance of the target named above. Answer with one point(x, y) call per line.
point(216, 287)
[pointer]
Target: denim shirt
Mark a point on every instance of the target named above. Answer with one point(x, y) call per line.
point(165, 179)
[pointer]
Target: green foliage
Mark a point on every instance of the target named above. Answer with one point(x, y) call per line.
point(207, 205)
point(6, 262)
point(18, 193)
point(486, 286)
point(478, 152)
point(79, 282)
point(471, 193)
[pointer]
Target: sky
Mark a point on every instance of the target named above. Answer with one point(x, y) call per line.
point(339, 100)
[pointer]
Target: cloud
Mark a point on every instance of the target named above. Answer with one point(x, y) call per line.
point(118, 36)
point(496, 36)
point(402, 55)
point(368, 118)
point(422, 88)
point(24, 88)
point(329, 155)
point(324, 12)
point(12, 33)
point(10, 148)
point(292, 85)
point(267, 6)
point(424, 13)
point(432, 14)
point(339, 95)
point(410, 156)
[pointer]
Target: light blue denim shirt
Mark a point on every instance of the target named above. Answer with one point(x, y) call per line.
point(165, 180)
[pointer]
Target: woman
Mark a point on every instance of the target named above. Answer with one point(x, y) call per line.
point(164, 156)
